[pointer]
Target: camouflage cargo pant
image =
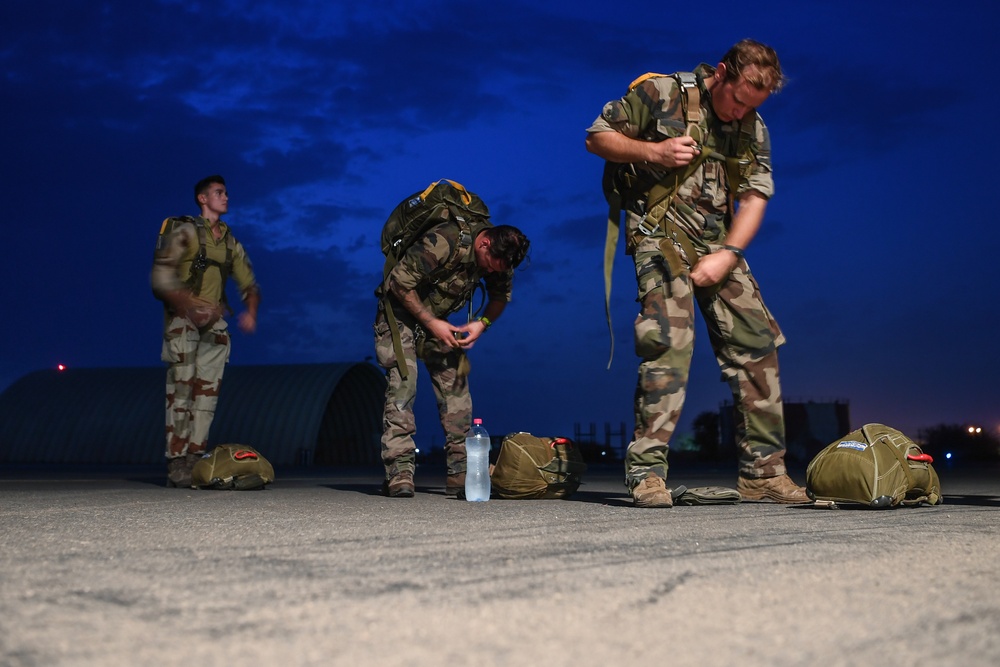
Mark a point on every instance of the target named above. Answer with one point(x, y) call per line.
point(451, 389)
point(196, 361)
point(745, 339)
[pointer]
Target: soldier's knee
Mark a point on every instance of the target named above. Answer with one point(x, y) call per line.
point(661, 379)
point(649, 348)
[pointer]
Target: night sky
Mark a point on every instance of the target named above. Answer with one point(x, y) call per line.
point(876, 255)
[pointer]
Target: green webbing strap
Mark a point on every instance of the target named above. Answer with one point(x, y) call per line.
point(201, 262)
point(610, 243)
point(390, 318)
point(900, 456)
point(659, 193)
point(663, 195)
point(397, 344)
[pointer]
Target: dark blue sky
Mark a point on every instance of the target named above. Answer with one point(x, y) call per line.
point(876, 256)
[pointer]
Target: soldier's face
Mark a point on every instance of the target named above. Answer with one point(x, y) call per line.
point(215, 199)
point(731, 100)
point(487, 261)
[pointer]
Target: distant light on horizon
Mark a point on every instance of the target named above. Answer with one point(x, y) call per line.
point(61, 367)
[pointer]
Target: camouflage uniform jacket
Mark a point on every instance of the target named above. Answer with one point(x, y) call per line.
point(420, 265)
point(176, 249)
point(653, 111)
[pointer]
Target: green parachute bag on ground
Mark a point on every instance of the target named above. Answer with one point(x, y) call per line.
point(876, 466)
point(232, 467)
point(530, 467)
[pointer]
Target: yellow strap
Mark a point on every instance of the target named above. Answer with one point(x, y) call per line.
point(647, 75)
point(466, 197)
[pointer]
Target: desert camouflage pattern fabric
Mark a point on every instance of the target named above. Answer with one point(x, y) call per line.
point(196, 361)
point(447, 366)
point(744, 335)
point(196, 356)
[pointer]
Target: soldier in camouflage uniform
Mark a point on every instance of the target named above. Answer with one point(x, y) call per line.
point(421, 300)
point(193, 259)
point(714, 214)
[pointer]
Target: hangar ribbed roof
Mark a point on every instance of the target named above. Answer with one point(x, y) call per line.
point(301, 414)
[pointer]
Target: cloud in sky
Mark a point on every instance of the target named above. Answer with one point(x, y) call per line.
point(875, 256)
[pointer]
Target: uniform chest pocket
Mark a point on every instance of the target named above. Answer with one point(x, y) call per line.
point(710, 184)
point(670, 127)
point(454, 285)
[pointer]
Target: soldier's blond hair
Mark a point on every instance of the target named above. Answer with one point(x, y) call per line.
point(755, 63)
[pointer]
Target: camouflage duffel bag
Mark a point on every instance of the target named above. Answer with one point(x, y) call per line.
point(532, 467)
point(235, 467)
point(875, 465)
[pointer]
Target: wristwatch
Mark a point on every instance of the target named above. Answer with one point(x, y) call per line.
point(733, 249)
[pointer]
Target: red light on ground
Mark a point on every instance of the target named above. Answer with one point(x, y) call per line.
point(61, 367)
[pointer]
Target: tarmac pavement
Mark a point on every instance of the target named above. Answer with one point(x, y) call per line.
point(111, 568)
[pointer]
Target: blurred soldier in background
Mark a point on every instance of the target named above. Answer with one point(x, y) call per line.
point(194, 257)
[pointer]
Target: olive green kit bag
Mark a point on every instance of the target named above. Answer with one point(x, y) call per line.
point(232, 467)
point(531, 467)
point(876, 466)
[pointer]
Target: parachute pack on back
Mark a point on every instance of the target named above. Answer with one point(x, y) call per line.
point(440, 201)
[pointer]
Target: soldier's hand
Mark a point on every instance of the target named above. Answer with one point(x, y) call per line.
point(676, 152)
point(248, 322)
point(713, 268)
point(444, 331)
point(470, 333)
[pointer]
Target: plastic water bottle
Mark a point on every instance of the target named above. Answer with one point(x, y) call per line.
point(477, 466)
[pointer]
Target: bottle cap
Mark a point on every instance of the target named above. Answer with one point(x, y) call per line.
point(477, 421)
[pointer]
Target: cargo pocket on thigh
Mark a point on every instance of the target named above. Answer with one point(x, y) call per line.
point(385, 353)
point(651, 274)
point(180, 340)
point(652, 325)
point(741, 318)
point(221, 338)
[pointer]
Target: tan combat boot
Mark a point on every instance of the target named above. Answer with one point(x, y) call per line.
point(455, 485)
point(780, 489)
point(652, 492)
point(400, 485)
point(179, 472)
